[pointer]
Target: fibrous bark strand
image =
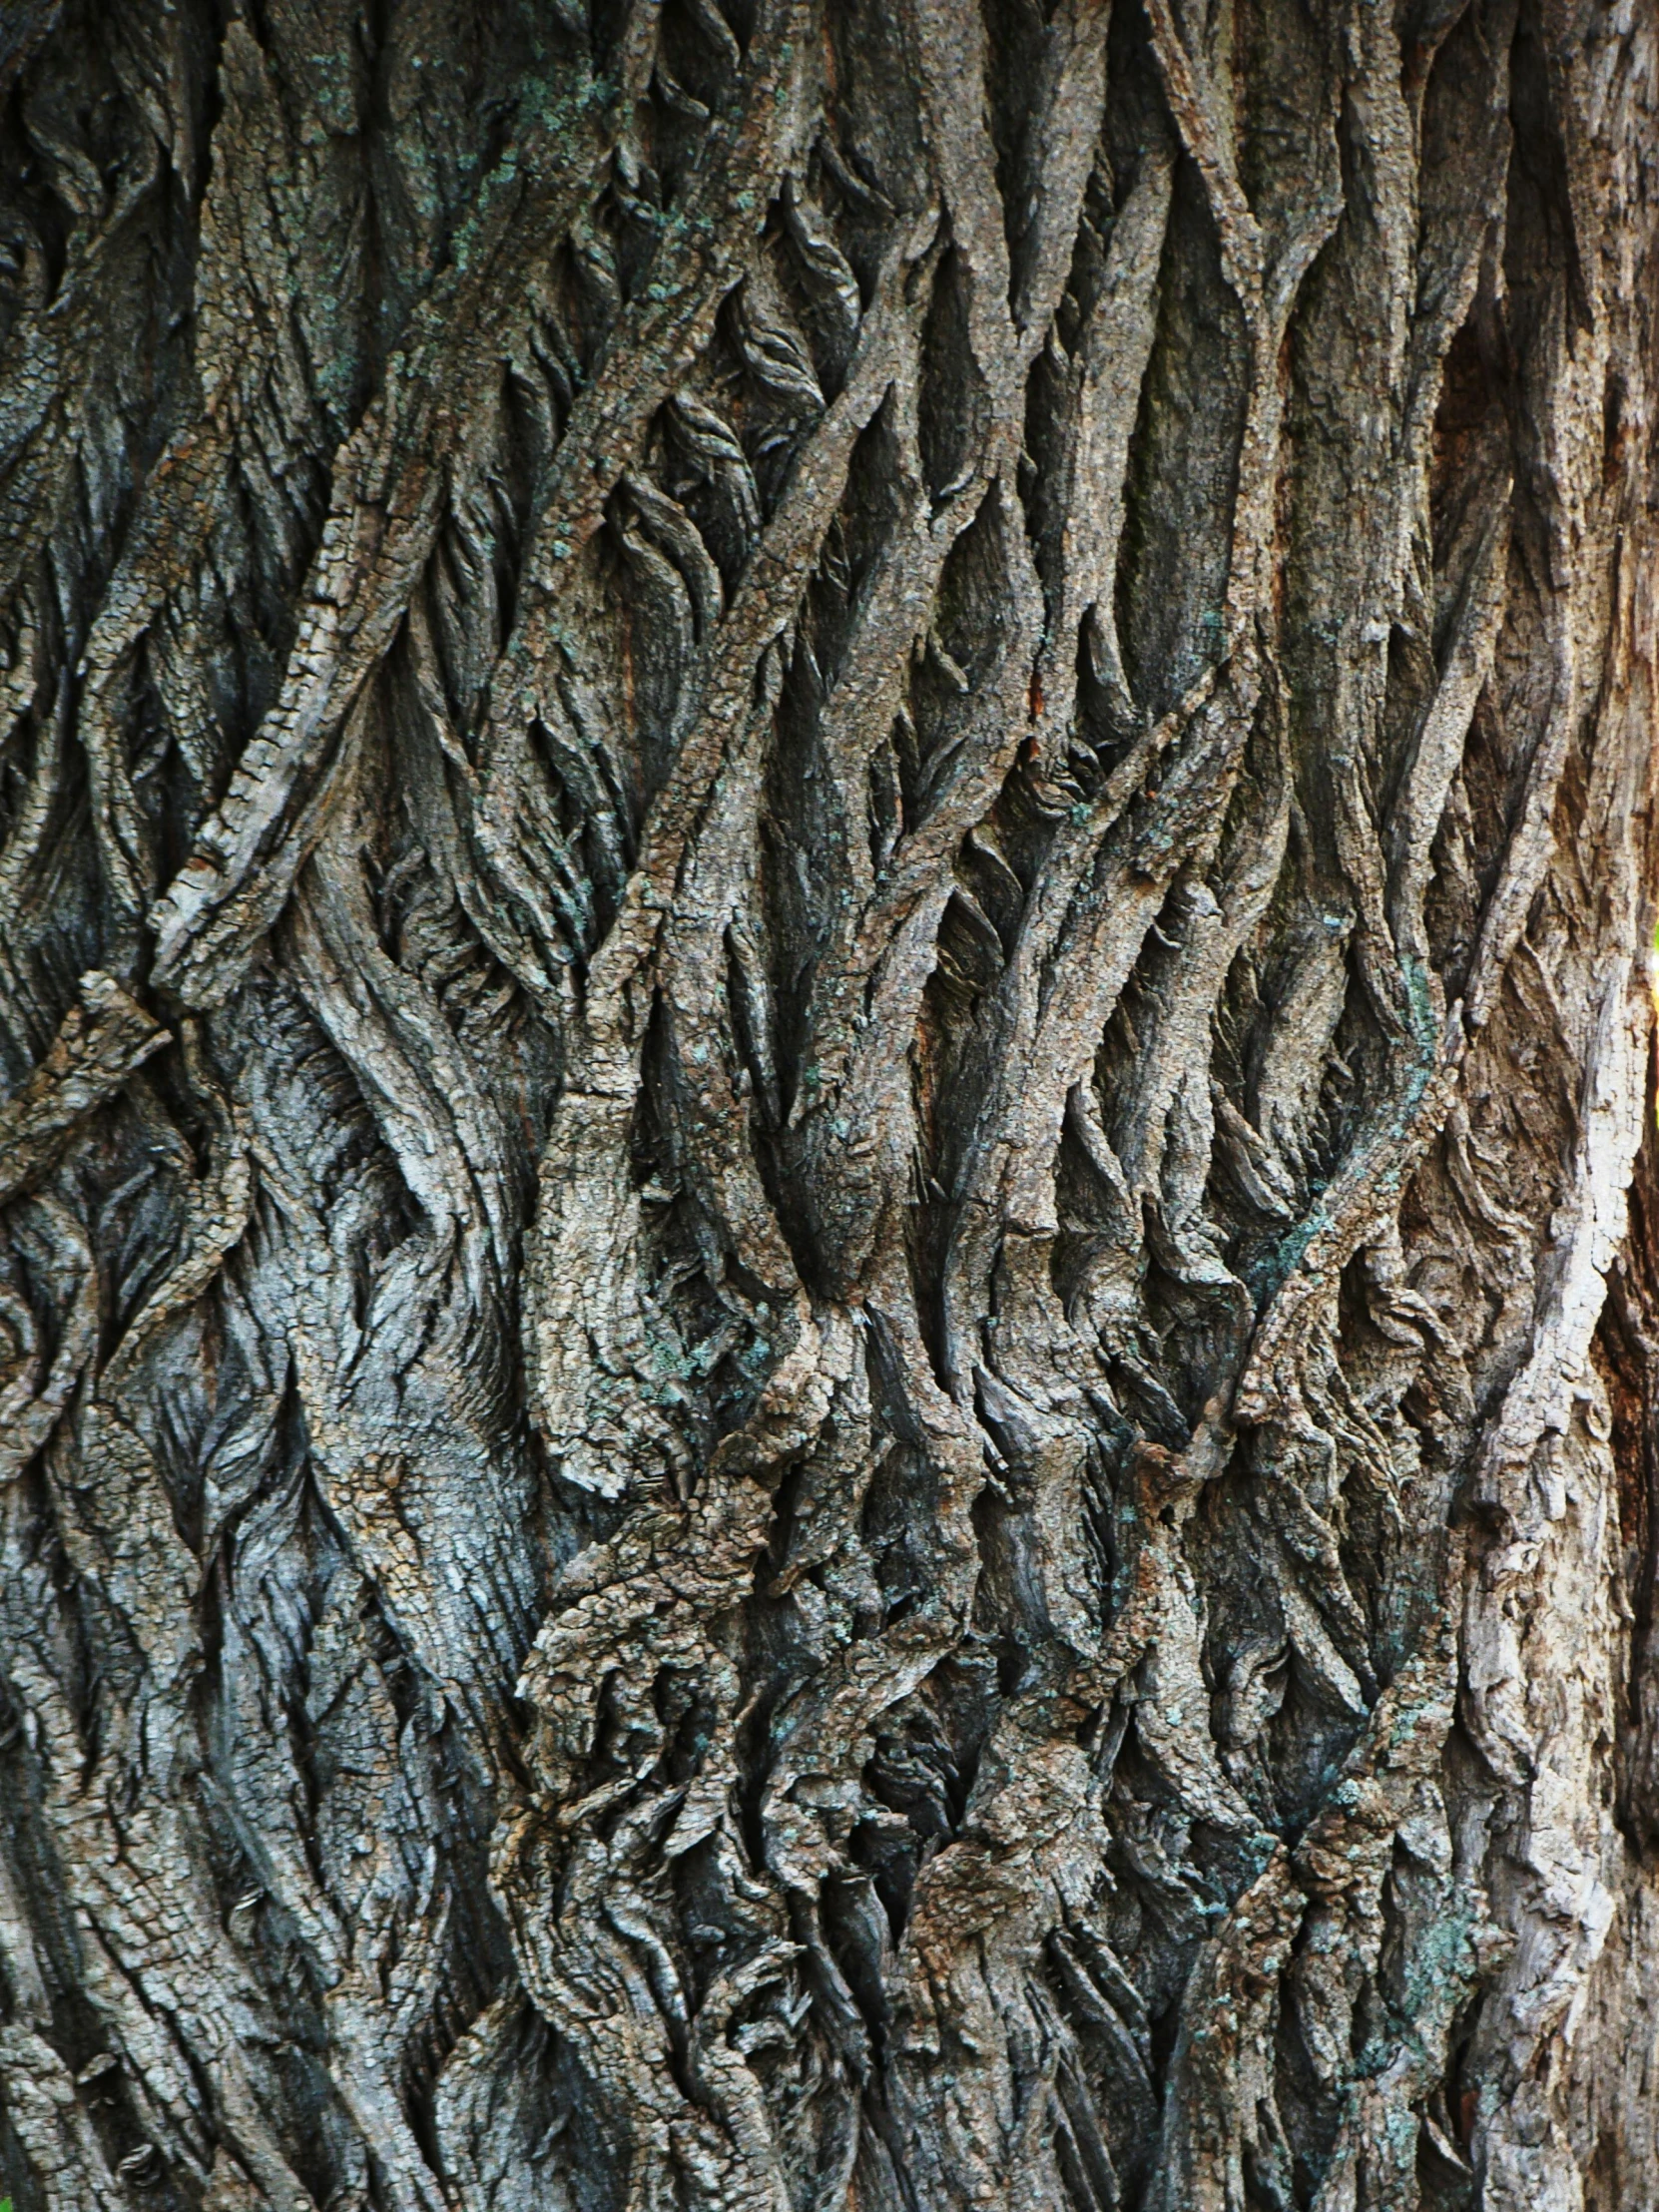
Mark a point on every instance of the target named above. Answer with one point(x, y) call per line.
point(831, 1268)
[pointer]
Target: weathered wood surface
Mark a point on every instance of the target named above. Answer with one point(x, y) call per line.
point(830, 1324)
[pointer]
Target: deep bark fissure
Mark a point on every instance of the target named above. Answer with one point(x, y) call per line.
point(829, 1292)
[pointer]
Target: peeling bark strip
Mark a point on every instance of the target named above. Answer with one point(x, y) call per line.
point(830, 1341)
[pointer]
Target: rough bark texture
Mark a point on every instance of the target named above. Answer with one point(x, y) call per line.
point(831, 1301)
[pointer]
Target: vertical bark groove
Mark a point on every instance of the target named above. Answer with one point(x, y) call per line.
point(829, 1301)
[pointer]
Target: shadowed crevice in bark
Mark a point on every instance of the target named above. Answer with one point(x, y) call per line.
point(828, 1308)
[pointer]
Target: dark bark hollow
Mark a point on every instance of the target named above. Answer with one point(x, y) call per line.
point(831, 1301)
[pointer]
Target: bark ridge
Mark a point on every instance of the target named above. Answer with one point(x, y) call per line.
point(829, 1314)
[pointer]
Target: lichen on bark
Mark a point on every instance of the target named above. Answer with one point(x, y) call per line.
point(829, 1299)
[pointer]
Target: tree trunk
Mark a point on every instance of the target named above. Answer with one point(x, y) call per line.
point(831, 1303)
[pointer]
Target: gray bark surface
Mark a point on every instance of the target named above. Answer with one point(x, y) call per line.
point(831, 1306)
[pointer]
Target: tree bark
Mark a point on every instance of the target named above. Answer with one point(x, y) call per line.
point(831, 1318)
